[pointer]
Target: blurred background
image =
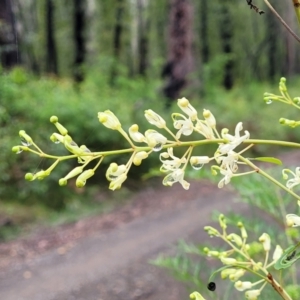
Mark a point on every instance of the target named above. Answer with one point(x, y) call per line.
point(75, 58)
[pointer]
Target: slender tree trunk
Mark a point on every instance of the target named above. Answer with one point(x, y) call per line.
point(118, 30)
point(51, 54)
point(204, 37)
point(144, 27)
point(8, 36)
point(226, 35)
point(79, 39)
point(179, 63)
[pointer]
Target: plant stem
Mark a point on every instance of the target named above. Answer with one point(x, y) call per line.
point(296, 4)
point(266, 175)
point(278, 288)
point(282, 21)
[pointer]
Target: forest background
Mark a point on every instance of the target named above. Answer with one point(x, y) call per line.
point(75, 58)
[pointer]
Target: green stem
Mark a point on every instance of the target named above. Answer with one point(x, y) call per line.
point(282, 21)
point(266, 175)
point(296, 4)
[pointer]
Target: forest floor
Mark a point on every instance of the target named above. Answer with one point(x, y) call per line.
point(107, 257)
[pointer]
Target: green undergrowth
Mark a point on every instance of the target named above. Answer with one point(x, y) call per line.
point(266, 209)
point(27, 102)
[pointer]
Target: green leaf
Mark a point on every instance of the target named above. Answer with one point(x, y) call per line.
point(288, 258)
point(272, 160)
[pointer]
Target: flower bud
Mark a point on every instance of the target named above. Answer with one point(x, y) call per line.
point(243, 230)
point(62, 130)
point(238, 274)
point(187, 108)
point(109, 120)
point(252, 295)
point(209, 118)
point(243, 285)
point(26, 140)
point(29, 176)
point(135, 134)
point(292, 220)
point(82, 178)
point(117, 183)
point(211, 231)
point(235, 238)
point(228, 260)
point(277, 253)
point(137, 160)
point(225, 273)
point(266, 241)
point(155, 119)
point(222, 221)
point(196, 296)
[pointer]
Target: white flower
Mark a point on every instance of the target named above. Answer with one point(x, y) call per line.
point(205, 130)
point(187, 108)
point(252, 295)
point(228, 260)
point(135, 134)
point(170, 164)
point(227, 177)
point(117, 183)
point(155, 119)
point(109, 120)
point(238, 274)
point(292, 220)
point(225, 273)
point(185, 125)
point(243, 285)
point(176, 176)
point(209, 118)
point(197, 162)
point(266, 241)
point(233, 141)
point(137, 160)
point(196, 296)
point(114, 171)
point(154, 139)
point(277, 253)
point(294, 181)
point(229, 161)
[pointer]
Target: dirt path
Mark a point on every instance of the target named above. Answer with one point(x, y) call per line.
point(112, 262)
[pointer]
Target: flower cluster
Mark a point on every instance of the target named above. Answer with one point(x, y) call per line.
point(239, 259)
point(184, 123)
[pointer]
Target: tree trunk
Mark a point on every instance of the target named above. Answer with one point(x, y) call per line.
point(144, 27)
point(204, 37)
point(79, 39)
point(226, 35)
point(51, 54)
point(179, 63)
point(8, 36)
point(118, 29)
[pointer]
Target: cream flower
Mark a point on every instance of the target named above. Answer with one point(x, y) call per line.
point(294, 181)
point(135, 134)
point(266, 241)
point(170, 164)
point(109, 120)
point(187, 108)
point(204, 129)
point(229, 161)
point(233, 141)
point(197, 162)
point(243, 285)
point(209, 118)
point(154, 139)
point(292, 220)
point(227, 177)
point(252, 295)
point(155, 119)
point(184, 125)
point(176, 176)
point(277, 253)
